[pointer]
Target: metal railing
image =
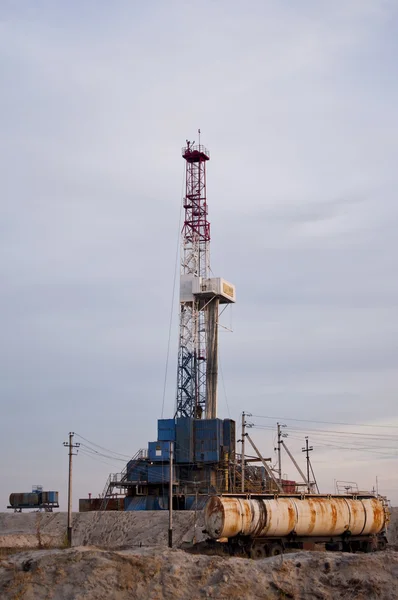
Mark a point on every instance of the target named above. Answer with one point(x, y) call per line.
point(116, 479)
point(198, 148)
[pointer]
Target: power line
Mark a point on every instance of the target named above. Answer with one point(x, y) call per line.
point(102, 447)
point(333, 431)
point(362, 442)
point(373, 450)
point(104, 462)
point(89, 450)
point(365, 442)
point(353, 445)
point(325, 422)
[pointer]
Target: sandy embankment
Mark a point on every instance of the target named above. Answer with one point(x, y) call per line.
point(109, 529)
point(162, 574)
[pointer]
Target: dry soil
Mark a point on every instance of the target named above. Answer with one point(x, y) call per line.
point(120, 556)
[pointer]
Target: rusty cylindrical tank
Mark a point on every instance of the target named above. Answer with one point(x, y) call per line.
point(30, 499)
point(316, 516)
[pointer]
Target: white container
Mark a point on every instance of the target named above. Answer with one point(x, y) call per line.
point(214, 287)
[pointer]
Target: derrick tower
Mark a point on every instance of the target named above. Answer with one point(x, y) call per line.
point(199, 446)
point(200, 296)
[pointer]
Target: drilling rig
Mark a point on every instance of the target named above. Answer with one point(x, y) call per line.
point(203, 446)
point(194, 455)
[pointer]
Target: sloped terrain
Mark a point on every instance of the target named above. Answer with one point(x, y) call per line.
point(120, 556)
point(392, 533)
point(105, 529)
point(158, 574)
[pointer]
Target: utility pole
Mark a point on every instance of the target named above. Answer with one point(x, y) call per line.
point(307, 450)
point(171, 498)
point(280, 436)
point(243, 451)
point(279, 455)
point(266, 467)
point(196, 509)
point(70, 445)
point(244, 435)
point(290, 455)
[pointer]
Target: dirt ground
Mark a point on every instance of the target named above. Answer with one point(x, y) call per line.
point(392, 532)
point(120, 556)
point(110, 529)
point(87, 573)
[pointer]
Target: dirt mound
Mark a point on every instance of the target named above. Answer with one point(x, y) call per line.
point(93, 574)
point(136, 565)
point(106, 529)
point(392, 533)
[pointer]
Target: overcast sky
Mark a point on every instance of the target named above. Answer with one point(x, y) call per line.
point(297, 103)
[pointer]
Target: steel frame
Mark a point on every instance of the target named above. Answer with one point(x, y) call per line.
point(195, 261)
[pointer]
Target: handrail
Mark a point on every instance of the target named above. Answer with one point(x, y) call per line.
point(117, 478)
point(197, 148)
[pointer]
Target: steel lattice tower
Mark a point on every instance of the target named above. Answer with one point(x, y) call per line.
point(200, 297)
point(195, 263)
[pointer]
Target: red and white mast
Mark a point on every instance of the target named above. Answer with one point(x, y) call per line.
point(200, 296)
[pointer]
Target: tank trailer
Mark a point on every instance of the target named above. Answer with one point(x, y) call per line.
point(266, 525)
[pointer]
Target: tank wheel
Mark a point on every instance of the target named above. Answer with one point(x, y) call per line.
point(355, 547)
point(256, 552)
point(275, 549)
point(370, 546)
point(382, 543)
point(334, 547)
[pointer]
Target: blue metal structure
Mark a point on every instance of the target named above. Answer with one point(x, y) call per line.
point(202, 449)
point(166, 430)
point(159, 451)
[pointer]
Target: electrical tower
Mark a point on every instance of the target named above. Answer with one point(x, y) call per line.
point(200, 297)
